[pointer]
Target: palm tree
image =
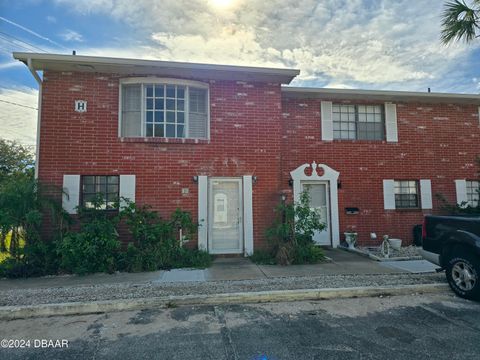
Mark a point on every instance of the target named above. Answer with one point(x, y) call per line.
point(460, 21)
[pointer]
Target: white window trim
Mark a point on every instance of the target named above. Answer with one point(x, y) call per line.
point(168, 81)
point(248, 214)
point(203, 213)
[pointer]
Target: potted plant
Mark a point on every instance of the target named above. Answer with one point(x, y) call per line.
point(351, 237)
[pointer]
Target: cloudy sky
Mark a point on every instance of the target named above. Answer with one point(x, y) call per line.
point(368, 44)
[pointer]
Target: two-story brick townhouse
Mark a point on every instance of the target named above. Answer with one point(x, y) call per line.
point(228, 142)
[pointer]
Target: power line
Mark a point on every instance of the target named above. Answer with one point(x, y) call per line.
point(13, 103)
point(32, 32)
point(14, 43)
point(23, 41)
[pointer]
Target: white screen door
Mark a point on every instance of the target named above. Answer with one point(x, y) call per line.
point(225, 213)
point(319, 201)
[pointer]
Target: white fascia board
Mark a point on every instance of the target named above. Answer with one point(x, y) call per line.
point(380, 95)
point(82, 63)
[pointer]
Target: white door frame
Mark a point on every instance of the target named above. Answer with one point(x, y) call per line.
point(327, 197)
point(210, 215)
point(331, 177)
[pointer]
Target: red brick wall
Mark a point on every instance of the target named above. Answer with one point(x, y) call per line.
point(436, 141)
point(245, 140)
point(249, 135)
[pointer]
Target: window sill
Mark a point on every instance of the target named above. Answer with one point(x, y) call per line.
point(162, 140)
point(409, 209)
point(362, 141)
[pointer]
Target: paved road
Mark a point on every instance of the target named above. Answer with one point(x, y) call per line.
point(403, 327)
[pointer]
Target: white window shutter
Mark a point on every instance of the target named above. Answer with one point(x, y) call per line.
point(71, 193)
point(203, 212)
point(131, 110)
point(248, 214)
point(389, 194)
point(198, 113)
point(426, 194)
point(479, 115)
point(327, 120)
point(127, 189)
point(391, 122)
point(461, 189)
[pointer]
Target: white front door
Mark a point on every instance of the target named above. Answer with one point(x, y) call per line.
point(319, 200)
point(225, 233)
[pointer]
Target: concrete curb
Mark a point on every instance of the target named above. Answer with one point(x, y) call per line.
point(94, 307)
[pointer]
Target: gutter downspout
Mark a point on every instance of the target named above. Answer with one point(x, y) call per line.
point(39, 114)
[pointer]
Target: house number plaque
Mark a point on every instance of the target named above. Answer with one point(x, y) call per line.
point(80, 106)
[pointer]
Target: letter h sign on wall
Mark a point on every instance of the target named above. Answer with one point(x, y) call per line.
point(80, 106)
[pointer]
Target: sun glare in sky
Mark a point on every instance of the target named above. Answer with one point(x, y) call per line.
point(221, 3)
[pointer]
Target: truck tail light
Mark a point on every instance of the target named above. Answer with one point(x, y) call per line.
point(424, 228)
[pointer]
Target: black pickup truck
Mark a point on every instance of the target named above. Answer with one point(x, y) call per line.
point(453, 243)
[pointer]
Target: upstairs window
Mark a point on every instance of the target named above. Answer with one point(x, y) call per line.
point(406, 194)
point(165, 109)
point(358, 122)
point(473, 196)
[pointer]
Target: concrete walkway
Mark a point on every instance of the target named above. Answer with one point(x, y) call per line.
point(222, 269)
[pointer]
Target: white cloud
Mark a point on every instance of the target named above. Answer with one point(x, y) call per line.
point(71, 35)
point(51, 19)
point(17, 122)
point(367, 43)
point(10, 64)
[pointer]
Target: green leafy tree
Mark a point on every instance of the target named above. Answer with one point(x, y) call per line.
point(460, 21)
point(15, 160)
point(23, 204)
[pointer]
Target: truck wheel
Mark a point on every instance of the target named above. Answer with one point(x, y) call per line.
point(463, 272)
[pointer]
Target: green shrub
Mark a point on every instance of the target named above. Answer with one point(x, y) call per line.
point(191, 258)
point(157, 243)
point(307, 254)
point(130, 260)
point(24, 203)
point(37, 259)
point(291, 234)
point(263, 257)
point(41, 258)
point(94, 248)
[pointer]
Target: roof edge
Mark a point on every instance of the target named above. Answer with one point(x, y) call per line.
point(309, 92)
point(40, 58)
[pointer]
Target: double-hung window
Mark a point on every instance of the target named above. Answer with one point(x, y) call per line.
point(473, 195)
point(164, 108)
point(358, 122)
point(406, 194)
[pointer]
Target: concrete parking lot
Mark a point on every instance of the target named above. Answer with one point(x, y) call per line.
point(404, 327)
